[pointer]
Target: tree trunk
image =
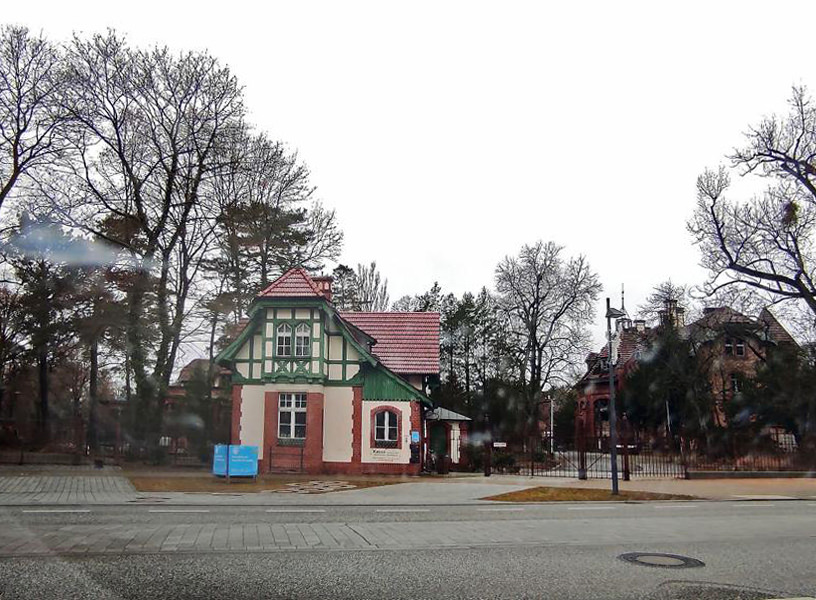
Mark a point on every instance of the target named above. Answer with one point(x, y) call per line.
point(93, 395)
point(42, 375)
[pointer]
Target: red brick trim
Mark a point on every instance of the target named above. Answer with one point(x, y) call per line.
point(357, 425)
point(235, 423)
point(338, 468)
point(398, 414)
point(313, 449)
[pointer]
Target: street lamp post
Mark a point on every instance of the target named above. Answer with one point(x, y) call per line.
point(612, 313)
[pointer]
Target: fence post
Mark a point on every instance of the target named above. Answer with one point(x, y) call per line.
point(581, 446)
point(532, 457)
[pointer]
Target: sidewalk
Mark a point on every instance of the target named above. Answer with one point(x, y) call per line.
point(110, 487)
point(708, 489)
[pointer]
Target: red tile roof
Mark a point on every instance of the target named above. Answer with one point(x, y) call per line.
point(295, 283)
point(407, 342)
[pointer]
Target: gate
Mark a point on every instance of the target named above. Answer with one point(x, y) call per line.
point(590, 458)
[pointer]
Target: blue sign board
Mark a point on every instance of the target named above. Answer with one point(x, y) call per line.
point(220, 460)
point(414, 436)
point(235, 461)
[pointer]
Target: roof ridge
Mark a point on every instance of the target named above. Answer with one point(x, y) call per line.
point(390, 312)
point(294, 271)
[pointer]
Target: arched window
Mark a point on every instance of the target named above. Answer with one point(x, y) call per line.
point(284, 345)
point(386, 427)
point(302, 340)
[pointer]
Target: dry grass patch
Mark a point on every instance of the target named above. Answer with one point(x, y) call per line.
point(559, 494)
point(210, 483)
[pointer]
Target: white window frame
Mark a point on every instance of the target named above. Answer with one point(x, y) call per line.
point(729, 347)
point(382, 433)
point(303, 340)
point(736, 384)
point(739, 347)
point(291, 409)
point(283, 340)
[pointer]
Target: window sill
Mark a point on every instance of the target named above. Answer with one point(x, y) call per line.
point(291, 441)
point(394, 445)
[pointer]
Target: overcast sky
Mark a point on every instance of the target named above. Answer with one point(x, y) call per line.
point(448, 134)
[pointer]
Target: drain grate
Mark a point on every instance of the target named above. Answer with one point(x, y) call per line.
point(663, 561)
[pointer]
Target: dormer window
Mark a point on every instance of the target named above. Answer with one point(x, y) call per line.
point(302, 340)
point(734, 347)
point(284, 340)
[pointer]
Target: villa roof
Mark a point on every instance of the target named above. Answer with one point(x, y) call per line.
point(406, 342)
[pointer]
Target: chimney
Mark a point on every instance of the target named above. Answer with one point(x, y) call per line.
point(324, 284)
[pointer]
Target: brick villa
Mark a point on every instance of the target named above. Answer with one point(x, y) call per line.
point(733, 342)
point(327, 391)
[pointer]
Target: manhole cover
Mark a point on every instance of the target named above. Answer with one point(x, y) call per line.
point(665, 561)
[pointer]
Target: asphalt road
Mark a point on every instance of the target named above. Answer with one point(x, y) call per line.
point(750, 550)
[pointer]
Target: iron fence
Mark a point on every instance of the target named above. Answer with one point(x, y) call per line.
point(590, 457)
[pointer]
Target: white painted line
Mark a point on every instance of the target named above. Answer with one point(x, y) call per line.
point(295, 510)
point(58, 511)
point(763, 497)
point(401, 510)
point(508, 509)
point(592, 508)
point(752, 505)
point(677, 506)
point(181, 510)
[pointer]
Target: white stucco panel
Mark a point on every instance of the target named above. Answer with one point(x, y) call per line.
point(337, 424)
point(335, 347)
point(454, 442)
point(252, 416)
point(386, 455)
point(335, 372)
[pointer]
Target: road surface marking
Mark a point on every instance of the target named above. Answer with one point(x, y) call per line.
point(592, 508)
point(508, 509)
point(180, 510)
point(763, 497)
point(678, 506)
point(61, 510)
point(295, 510)
point(763, 505)
point(401, 510)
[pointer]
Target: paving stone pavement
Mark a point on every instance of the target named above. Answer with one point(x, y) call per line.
point(65, 489)
point(19, 540)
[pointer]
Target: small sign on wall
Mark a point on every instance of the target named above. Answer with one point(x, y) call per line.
point(414, 436)
point(500, 444)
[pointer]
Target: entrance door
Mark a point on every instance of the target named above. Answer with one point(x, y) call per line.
point(439, 440)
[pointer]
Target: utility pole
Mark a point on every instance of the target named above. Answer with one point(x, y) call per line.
point(612, 313)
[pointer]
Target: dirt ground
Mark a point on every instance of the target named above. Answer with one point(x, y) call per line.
point(555, 494)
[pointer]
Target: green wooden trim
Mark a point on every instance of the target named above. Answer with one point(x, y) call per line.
point(228, 353)
point(381, 384)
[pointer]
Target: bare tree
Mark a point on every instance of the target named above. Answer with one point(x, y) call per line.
point(151, 126)
point(31, 114)
point(373, 290)
point(765, 243)
point(546, 301)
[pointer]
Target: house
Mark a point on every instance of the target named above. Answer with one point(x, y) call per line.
point(321, 390)
point(731, 343)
